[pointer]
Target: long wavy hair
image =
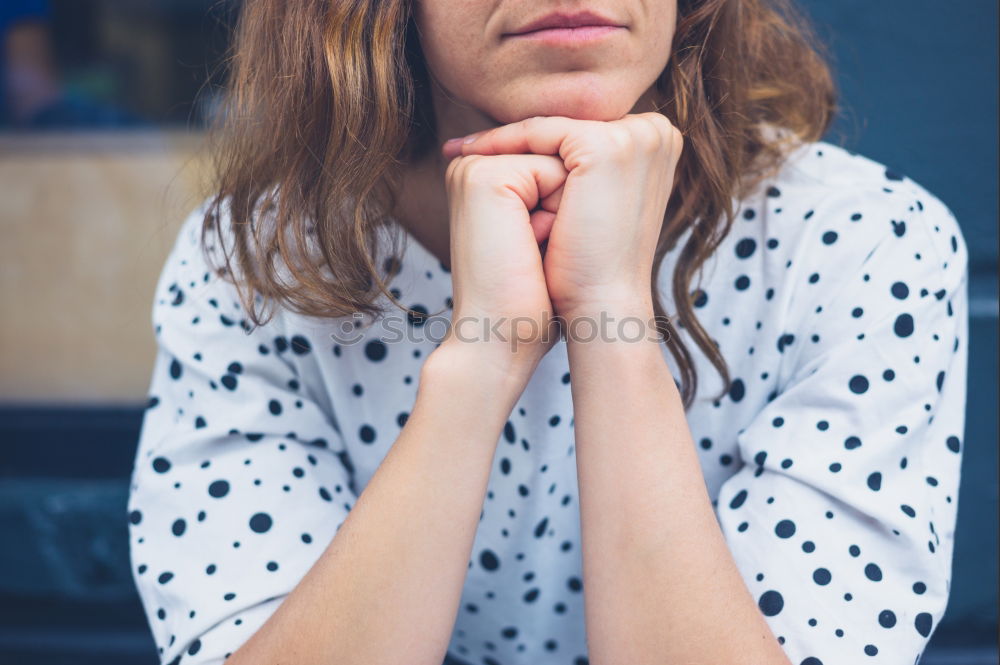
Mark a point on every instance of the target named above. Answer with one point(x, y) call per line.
point(326, 103)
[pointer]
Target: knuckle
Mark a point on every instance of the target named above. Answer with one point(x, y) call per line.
point(661, 133)
point(620, 139)
point(449, 175)
point(532, 126)
point(476, 169)
point(677, 140)
point(463, 170)
point(655, 131)
point(453, 166)
point(660, 121)
point(674, 138)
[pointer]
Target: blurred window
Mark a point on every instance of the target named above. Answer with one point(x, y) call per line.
point(69, 64)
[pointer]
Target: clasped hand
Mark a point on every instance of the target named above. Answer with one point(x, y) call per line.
point(592, 194)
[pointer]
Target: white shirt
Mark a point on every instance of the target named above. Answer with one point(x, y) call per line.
point(839, 300)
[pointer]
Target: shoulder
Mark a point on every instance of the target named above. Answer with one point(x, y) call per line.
point(197, 284)
point(204, 252)
point(204, 274)
point(838, 206)
point(205, 237)
point(196, 250)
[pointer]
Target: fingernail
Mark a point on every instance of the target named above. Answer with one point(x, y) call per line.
point(469, 139)
point(451, 142)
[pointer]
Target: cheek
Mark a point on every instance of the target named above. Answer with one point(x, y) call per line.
point(457, 60)
point(445, 44)
point(656, 48)
point(658, 31)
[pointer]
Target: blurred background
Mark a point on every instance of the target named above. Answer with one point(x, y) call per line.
point(102, 109)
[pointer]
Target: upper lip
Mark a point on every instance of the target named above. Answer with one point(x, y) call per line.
point(565, 20)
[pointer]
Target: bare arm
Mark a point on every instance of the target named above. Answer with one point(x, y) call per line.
point(658, 573)
point(387, 587)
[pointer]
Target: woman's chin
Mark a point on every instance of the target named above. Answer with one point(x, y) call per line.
point(580, 103)
point(605, 112)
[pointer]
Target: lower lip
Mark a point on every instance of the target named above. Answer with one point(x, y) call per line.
point(583, 33)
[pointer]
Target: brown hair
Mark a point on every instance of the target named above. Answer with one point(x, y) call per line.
point(328, 100)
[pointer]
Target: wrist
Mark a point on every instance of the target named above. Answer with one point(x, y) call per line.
point(612, 300)
point(615, 322)
point(494, 365)
point(607, 314)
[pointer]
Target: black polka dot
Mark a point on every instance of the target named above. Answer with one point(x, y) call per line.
point(260, 522)
point(903, 326)
point(218, 489)
point(785, 529)
point(924, 622)
point(770, 603)
point(745, 247)
point(418, 316)
point(375, 350)
point(737, 390)
point(488, 560)
point(300, 345)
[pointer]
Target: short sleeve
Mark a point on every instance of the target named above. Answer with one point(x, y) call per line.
point(240, 477)
point(842, 518)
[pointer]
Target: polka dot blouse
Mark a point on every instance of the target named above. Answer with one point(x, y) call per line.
point(839, 300)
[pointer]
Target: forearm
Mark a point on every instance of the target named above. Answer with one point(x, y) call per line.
point(658, 574)
point(387, 588)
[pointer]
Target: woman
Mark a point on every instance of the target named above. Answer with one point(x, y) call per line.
point(702, 395)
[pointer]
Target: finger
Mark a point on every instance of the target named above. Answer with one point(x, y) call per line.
point(541, 178)
point(540, 135)
point(526, 181)
point(551, 202)
point(452, 147)
point(541, 224)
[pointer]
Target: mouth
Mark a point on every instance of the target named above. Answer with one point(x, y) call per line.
point(568, 36)
point(564, 21)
